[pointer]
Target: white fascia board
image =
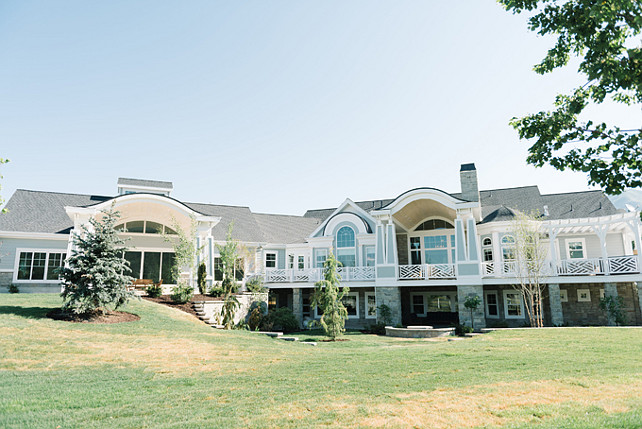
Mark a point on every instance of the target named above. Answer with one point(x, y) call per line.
point(145, 188)
point(321, 241)
point(34, 235)
point(366, 238)
point(346, 202)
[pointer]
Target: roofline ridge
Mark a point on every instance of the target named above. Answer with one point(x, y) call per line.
point(62, 193)
point(574, 192)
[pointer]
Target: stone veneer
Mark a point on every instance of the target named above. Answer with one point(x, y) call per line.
point(6, 279)
point(479, 316)
point(390, 296)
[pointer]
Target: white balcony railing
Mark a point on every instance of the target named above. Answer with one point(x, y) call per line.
point(570, 267)
point(427, 271)
point(348, 274)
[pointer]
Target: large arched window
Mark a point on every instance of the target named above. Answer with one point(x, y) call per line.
point(144, 227)
point(433, 224)
point(346, 247)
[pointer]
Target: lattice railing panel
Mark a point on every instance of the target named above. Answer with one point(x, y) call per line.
point(276, 275)
point(623, 264)
point(411, 272)
point(440, 271)
point(579, 267)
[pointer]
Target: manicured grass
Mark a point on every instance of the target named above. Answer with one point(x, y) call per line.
point(170, 370)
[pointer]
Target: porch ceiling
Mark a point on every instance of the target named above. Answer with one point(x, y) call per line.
point(413, 213)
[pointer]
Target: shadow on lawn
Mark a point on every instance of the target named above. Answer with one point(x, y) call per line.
point(26, 312)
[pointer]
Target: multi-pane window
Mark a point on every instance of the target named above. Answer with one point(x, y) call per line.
point(575, 249)
point(370, 256)
point(270, 260)
point(418, 304)
point(351, 303)
point(40, 265)
point(487, 250)
point(301, 262)
point(321, 256)
point(508, 248)
point(513, 305)
point(239, 269)
point(433, 224)
point(346, 250)
point(144, 227)
point(439, 303)
point(290, 261)
point(154, 266)
point(415, 250)
point(488, 255)
point(371, 305)
point(492, 305)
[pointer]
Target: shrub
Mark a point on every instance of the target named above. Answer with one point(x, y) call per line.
point(215, 290)
point(201, 275)
point(13, 288)
point(281, 319)
point(461, 330)
point(257, 314)
point(255, 285)
point(612, 305)
point(182, 293)
point(377, 328)
point(154, 291)
point(385, 314)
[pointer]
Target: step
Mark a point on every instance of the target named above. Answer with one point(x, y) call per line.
point(311, 343)
point(289, 338)
point(268, 333)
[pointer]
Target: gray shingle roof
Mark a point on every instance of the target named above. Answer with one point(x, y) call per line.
point(145, 182)
point(526, 199)
point(35, 211)
point(286, 229)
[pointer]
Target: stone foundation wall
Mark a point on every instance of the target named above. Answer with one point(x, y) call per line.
point(5, 281)
point(390, 296)
point(479, 315)
point(589, 313)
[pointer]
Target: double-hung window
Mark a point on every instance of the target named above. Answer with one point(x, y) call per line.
point(321, 256)
point(492, 305)
point(513, 305)
point(270, 260)
point(575, 248)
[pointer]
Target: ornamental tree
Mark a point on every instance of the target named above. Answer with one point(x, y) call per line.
point(604, 36)
point(229, 259)
point(328, 296)
point(96, 275)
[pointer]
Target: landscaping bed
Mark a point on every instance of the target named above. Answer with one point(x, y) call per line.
point(187, 307)
point(94, 317)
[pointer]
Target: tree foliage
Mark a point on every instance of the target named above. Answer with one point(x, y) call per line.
point(228, 252)
point(328, 296)
point(471, 303)
point(604, 35)
point(2, 161)
point(530, 264)
point(95, 278)
point(185, 251)
point(201, 278)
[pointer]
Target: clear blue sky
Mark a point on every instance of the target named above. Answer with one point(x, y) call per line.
point(279, 105)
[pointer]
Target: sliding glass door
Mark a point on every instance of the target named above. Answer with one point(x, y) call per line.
point(151, 265)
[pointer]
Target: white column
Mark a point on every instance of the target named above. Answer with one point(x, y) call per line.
point(497, 254)
point(600, 231)
point(552, 236)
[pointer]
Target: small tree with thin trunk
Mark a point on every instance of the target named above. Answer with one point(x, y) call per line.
point(471, 303)
point(95, 278)
point(185, 251)
point(328, 296)
point(229, 255)
point(530, 264)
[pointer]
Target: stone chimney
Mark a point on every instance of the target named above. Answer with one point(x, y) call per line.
point(468, 178)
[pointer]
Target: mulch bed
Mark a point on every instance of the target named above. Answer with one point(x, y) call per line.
point(187, 307)
point(334, 341)
point(94, 317)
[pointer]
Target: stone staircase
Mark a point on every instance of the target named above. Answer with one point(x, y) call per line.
point(199, 307)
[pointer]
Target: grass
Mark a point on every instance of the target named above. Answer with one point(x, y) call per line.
point(170, 370)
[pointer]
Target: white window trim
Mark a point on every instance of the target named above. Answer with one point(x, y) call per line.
point(489, 244)
point(365, 254)
point(366, 296)
point(276, 259)
point(521, 303)
point(568, 241)
point(47, 252)
point(143, 250)
point(354, 248)
point(163, 233)
point(579, 295)
point(563, 295)
point(317, 252)
point(432, 233)
point(491, 292)
point(355, 294)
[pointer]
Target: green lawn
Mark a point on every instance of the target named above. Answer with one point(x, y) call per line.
point(170, 370)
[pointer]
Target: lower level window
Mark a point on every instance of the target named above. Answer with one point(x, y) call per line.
point(492, 306)
point(418, 304)
point(371, 305)
point(154, 266)
point(40, 265)
point(351, 303)
point(513, 305)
